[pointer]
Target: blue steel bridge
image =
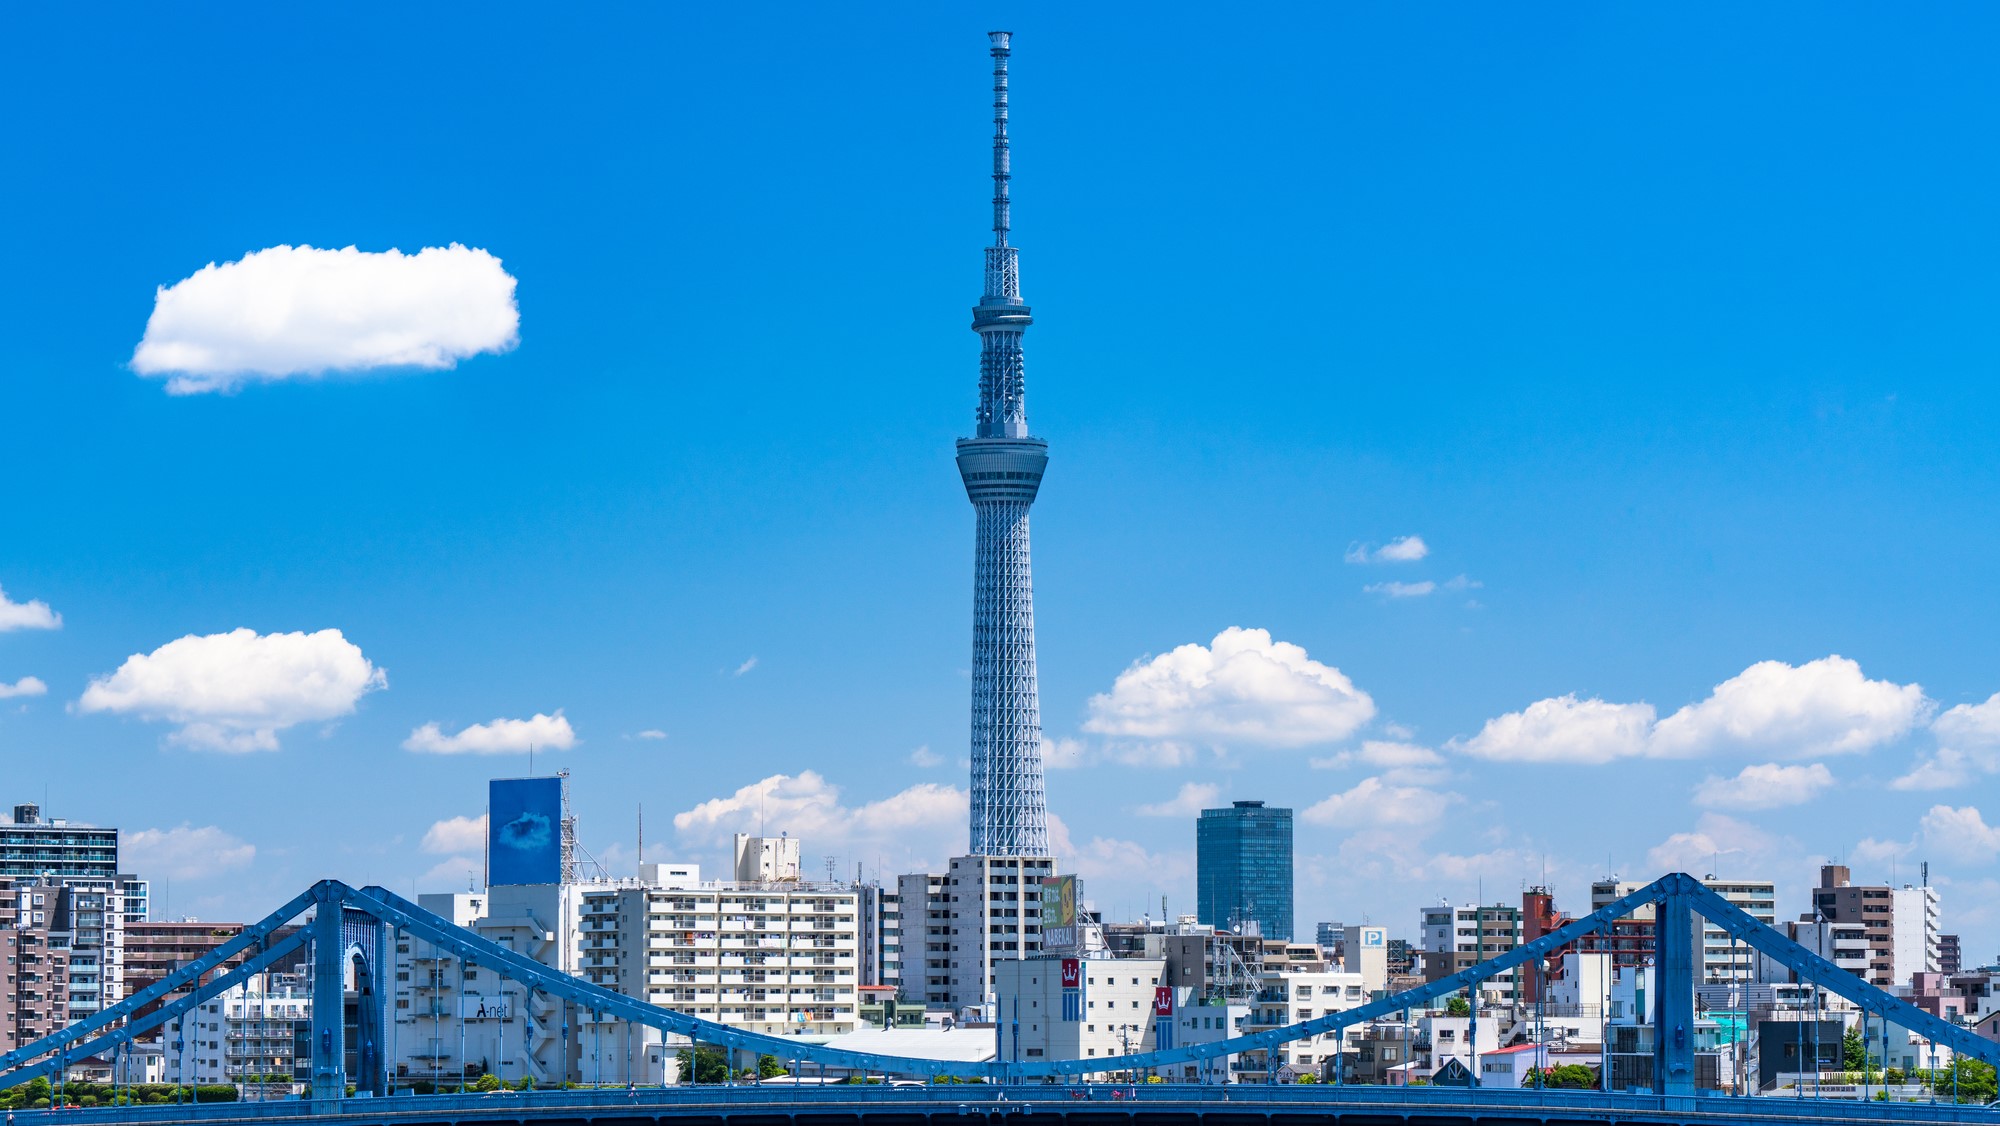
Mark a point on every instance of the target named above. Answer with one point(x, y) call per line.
point(347, 934)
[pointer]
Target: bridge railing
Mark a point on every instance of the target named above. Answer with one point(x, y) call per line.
point(752, 1098)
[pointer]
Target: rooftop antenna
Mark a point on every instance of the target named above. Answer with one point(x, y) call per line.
point(642, 835)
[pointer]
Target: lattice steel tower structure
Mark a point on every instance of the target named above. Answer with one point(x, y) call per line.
point(1002, 470)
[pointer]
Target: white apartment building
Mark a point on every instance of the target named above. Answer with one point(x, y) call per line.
point(782, 959)
point(1914, 931)
point(1291, 997)
point(1721, 959)
point(257, 1034)
point(1116, 1010)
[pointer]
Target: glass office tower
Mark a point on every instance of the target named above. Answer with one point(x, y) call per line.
point(1243, 868)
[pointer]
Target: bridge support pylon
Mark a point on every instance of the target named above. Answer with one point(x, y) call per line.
point(1674, 974)
point(329, 1002)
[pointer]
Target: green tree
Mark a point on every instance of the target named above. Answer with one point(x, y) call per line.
point(487, 1082)
point(704, 1065)
point(768, 1067)
point(1973, 1079)
point(1853, 1051)
point(1458, 1007)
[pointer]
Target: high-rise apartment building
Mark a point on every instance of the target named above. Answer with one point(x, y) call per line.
point(1899, 925)
point(1949, 958)
point(1458, 938)
point(780, 958)
point(1243, 868)
point(1723, 959)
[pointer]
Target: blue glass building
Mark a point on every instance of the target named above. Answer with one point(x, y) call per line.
point(1243, 868)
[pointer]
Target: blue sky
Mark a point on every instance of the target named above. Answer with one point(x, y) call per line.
point(1672, 335)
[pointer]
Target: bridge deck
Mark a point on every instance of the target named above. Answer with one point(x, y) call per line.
point(1155, 1105)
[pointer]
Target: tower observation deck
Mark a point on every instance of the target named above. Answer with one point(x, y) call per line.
point(1001, 466)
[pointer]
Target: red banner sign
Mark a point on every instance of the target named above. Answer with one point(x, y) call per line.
point(1072, 971)
point(1163, 1001)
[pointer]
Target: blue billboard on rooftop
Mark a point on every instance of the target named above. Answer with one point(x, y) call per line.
point(524, 831)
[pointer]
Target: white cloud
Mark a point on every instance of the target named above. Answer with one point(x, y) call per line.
point(1242, 690)
point(1720, 840)
point(26, 686)
point(651, 733)
point(1192, 799)
point(1968, 746)
point(925, 757)
point(454, 873)
point(33, 614)
point(1961, 834)
point(1064, 753)
point(1400, 590)
point(299, 311)
point(1563, 729)
point(184, 852)
point(1373, 803)
point(456, 834)
point(235, 691)
point(1401, 764)
point(499, 737)
point(745, 666)
point(1766, 786)
point(1408, 549)
point(925, 820)
point(1822, 707)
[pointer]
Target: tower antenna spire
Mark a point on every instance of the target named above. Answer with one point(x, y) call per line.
point(1002, 165)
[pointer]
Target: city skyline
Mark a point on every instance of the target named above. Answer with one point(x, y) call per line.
point(1521, 489)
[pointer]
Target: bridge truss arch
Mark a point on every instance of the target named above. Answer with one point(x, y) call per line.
point(350, 930)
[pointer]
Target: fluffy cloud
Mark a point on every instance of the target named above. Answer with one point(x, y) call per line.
point(1823, 707)
point(453, 872)
point(1737, 846)
point(26, 686)
point(1242, 690)
point(1409, 549)
point(1563, 729)
point(456, 834)
point(300, 311)
point(26, 615)
point(1402, 764)
point(1768, 786)
point(1400, 590)
point(1818, 708)
point(1961, 834)
point(235, 691)
point(926, 758)
point(651, 733)
point(501, 736)
point(185, 852)
point(1373, 802)
point(926, 816)
point(745, 667)
point(1193, 798)
point(1968, 746)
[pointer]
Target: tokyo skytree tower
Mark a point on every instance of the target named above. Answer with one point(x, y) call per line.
point(1002, 469)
